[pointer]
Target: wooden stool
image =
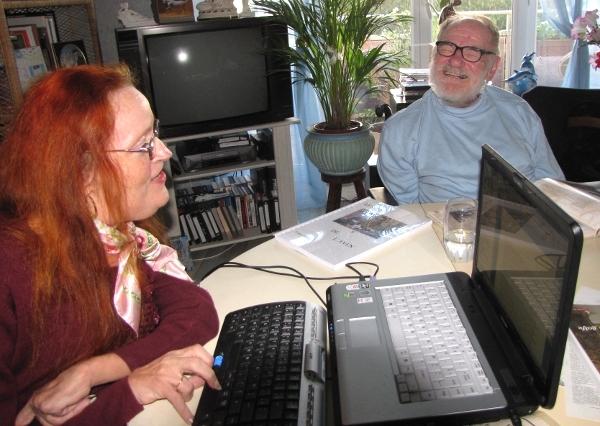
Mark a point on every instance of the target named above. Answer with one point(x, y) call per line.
point(334, 196)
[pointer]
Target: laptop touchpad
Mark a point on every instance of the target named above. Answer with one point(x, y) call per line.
point(363, 332)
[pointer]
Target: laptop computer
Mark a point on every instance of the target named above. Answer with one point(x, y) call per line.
point(493, 342)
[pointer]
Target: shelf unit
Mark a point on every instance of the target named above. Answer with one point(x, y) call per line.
point(75, 20)
point(283, 169)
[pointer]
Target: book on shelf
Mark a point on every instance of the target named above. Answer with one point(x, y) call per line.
point(351, 232)
point(44, 25)
point(28, 33)
point(225, 206)
point(44, 20)
point(579, 203)
point(30, 65)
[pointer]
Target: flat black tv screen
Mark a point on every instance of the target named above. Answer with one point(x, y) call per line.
point(210, 76)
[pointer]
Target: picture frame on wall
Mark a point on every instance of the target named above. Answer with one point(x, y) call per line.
point(166, 11)
point(70, 53)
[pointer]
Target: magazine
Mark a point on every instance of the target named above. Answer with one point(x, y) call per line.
point(346, 234)
point(578, 203)
point(581, 369)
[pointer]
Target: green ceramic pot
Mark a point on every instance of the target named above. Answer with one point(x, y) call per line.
point(337, 152)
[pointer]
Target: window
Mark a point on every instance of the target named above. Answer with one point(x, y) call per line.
point(523, 29)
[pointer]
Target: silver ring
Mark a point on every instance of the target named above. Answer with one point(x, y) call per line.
point(180, 382)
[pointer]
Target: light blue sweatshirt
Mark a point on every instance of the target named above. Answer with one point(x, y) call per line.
point(431, 152)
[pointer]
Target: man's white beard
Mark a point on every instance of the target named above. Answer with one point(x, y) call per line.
point(455, 98)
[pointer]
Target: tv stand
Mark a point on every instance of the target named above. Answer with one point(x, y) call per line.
point(281, 163)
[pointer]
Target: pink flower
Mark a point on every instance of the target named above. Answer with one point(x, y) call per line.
point(585, 28)
point(579, 29)
point(595, 60)
point(592, 18)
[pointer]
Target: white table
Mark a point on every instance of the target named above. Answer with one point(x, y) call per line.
point(419, 253)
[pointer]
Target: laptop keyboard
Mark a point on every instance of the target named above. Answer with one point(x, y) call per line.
point(259, 363)
point(435, 357)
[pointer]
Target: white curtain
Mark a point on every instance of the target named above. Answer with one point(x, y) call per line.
point(562, 14)
point(311, 191)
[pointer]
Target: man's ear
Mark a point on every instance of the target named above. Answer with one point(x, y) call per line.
point(492, 71)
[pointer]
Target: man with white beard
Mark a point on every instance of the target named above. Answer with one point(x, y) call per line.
point(431, 151)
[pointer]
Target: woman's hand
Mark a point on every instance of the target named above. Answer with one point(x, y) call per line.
point(69, 393)
point(174, 376)
point(59, 400)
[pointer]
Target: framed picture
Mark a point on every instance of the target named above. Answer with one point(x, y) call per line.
point(173, 10)
point(70, 53)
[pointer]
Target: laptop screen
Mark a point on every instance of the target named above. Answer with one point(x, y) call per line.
point(526, 258)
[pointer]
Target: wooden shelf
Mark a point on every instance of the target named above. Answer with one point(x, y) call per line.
point(282, 163)
point(75, 20)
point(219, 170)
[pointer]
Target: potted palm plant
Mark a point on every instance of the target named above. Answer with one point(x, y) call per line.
point(330, 55)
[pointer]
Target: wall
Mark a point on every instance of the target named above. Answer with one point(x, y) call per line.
point(106, 14)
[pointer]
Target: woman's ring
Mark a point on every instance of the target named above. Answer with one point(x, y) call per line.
point(180, 382)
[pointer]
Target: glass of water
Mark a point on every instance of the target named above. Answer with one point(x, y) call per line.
point(460, 216)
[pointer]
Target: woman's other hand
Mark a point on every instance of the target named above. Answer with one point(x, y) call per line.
point(69, 393)
point(174, 376)
point(59, 400)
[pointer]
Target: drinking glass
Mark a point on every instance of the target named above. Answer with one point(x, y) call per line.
point(460, 216)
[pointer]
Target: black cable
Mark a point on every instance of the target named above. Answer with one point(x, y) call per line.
point(515, 420)
point(271, 269)
point(362, 277)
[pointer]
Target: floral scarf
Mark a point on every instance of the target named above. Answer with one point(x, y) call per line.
point(142, 244)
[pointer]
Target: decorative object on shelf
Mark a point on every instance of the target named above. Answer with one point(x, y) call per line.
point(330, 55)
point(216, 9)
point(246, 11)
point(70, 53)
point(173, 10)
point(586, 30)
point(448, 9)
point(130, 18)
point(523, 79)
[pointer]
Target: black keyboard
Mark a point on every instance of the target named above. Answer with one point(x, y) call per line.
point(270, 361)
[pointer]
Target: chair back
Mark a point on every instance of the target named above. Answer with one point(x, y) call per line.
point(571, 121)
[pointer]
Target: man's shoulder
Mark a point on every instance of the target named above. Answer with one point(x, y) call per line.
point(502, 95)
point(509, 104)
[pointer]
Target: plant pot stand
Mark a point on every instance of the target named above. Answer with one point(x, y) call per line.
point(334, 196)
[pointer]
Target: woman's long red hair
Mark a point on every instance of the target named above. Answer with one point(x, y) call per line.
point(58, 138)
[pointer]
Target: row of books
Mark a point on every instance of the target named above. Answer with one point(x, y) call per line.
point(232, 204)
point(33, 38)
point(37, 47)
point(229, 218)
point(213, 189)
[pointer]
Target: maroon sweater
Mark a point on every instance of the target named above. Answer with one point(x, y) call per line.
point(185, 314)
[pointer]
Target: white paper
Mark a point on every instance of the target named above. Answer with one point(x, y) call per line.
point(582, 207)
point(341, 236)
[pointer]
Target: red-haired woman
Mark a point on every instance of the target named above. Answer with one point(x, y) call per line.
point(96, 317)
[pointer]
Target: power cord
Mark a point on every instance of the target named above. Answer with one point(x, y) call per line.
point(274, 269)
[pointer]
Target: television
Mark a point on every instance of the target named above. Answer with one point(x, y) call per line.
point(210, 75)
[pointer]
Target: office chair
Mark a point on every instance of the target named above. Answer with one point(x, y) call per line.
point(571, 121)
